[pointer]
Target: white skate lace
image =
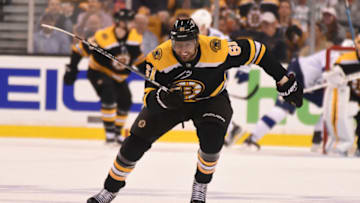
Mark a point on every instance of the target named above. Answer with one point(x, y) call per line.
point(105, 196)
point(199, 191)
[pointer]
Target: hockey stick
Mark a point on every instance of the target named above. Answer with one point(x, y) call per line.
point(348, 78)
point(348, 14)
point(251, 94)
point(108, 55)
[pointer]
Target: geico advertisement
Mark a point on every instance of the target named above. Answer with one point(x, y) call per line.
point(32, 93)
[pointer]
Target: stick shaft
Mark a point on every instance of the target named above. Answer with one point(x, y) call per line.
point(108, 55)
point(348, 78)
point(348, 14)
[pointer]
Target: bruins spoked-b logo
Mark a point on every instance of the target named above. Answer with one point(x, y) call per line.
point(215, 45)
point(190, 88)
point(157, 53)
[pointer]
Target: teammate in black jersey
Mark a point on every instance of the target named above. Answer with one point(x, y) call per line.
point(107, 77)
point(193, 67)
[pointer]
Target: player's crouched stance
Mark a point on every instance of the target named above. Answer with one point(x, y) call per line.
point(194, 68)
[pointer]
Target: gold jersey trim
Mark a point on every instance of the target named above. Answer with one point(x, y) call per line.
point(347, 58)
point(106, 38)
point(96, 66)
point(210, 57)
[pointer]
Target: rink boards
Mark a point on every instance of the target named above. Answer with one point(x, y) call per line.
point(35, 103)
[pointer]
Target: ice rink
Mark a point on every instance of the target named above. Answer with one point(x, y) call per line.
point(69, 171)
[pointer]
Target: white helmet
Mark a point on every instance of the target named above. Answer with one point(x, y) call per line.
point(347, 43)
point(202, 17)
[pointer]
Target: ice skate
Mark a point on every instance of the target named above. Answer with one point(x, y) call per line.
point(103, 196)
point(249, 142)
point(357, 153)
point(109, 137)
point(235, 134)
point(198, 194)
point(316, 142)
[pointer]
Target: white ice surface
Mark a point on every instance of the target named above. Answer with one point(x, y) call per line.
point(69, 171)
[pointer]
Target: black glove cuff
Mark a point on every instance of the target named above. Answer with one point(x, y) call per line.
point(75, 60)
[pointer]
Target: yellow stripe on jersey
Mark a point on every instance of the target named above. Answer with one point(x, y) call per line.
point(262, 52)
point(106, 38)
point(146, 93)
point(79, 48)
point(335, 110)
point(96, 66)
point(347, 58)
point(162, 57)
point(252, 51)
point(134, 38)
point(214, 51)
point(219, 88)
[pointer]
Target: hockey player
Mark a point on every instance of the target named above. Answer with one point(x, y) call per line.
point(308, 72)
point(193, 67)
point(107, 77)
point(340, 102)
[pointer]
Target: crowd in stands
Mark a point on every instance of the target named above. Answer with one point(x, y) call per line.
point(282, 25)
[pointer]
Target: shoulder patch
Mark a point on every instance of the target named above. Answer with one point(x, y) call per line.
point(157, 53)
point(215, 45)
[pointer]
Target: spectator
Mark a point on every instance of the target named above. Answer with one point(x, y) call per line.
point(150, 41)
point(270, 6)
point(119, 4)
point(54, 8)
point(334, 31)
point(154, 6)
point(48, 41)
point(320, 4)
point(244, 7)
point(195, 4)
point(68, 9)
point(301, 13)
point(272, 36)
point(250, 27)
point(290, 30)
point(321, 42)
point(354, 11)
point(93, 24)
point(94, 6)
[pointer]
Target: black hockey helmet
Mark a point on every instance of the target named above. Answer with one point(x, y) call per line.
point(123, 15)
point(184, 29)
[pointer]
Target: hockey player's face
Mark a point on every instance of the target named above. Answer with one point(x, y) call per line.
point(186, 50)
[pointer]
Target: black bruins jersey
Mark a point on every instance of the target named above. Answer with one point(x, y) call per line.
point(126, 51)
point(349, 62)
point(205, 77)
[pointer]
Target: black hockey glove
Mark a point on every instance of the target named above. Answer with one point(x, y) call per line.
point(70, 75)
point(170, 100)
point(291, 91)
